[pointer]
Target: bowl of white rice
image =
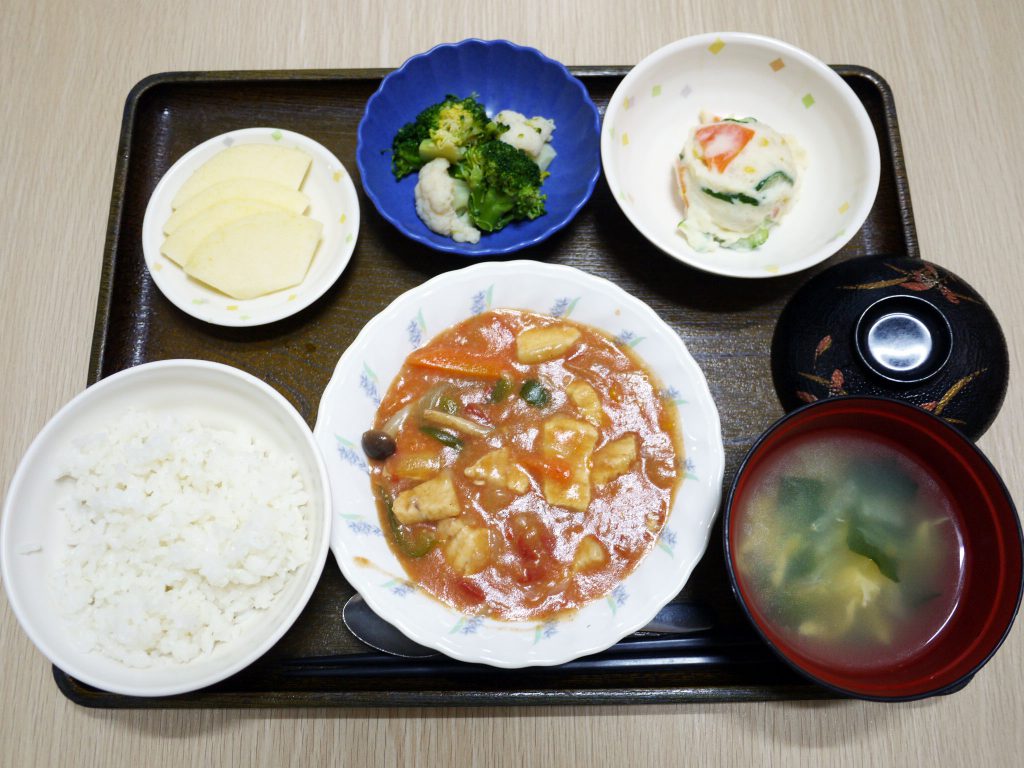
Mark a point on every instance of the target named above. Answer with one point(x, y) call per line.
point(165, 528)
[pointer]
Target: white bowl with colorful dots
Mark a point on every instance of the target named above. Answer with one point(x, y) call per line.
point(741, 75)
point(362, 378)
point(332, 201)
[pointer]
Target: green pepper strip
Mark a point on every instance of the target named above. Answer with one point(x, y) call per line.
point(501, 389)
point(442, 436)
point(731, 197)
point(448, 405)
point(534, 393)
point(416, 548)
point(771, 178)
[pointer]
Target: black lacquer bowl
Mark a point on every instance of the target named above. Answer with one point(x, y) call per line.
point(893, 327)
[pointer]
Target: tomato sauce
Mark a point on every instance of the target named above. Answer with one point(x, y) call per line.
point(547, 498)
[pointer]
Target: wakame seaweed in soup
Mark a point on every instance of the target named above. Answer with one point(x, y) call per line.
point(850, 550)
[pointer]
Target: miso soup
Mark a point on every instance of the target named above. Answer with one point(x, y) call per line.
point(849, 550)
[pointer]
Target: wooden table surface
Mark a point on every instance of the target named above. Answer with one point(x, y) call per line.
point(65, 69)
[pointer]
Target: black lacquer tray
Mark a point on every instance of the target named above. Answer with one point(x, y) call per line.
point(726, 323)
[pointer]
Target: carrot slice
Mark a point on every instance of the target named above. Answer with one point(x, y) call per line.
point(721, 143)
point(553, 468)
point(458, 362)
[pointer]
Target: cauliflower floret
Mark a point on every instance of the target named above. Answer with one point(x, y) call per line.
point(441, 203)
point(532, 135)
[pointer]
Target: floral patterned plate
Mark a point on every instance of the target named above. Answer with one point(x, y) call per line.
point(362, 377)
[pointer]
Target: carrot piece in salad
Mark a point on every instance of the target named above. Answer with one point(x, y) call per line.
point(721, 143)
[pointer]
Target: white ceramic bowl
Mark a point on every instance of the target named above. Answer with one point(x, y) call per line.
point(362, 377)
point(221, 397)
point(659, 102)
point(333, 202)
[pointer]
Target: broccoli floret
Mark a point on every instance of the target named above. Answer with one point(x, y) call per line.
point(405, 147)
point(504, 185)
point(443, 130)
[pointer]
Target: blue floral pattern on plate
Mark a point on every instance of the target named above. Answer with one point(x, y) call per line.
point(415, 330)
point(467, 625)
point(363, 528)
point(673, 395)
point(690, 469)
point(350, 454)
point(667, 541)
point(563, 307)
point(545, 630)
point(400, 587)
point(481, 301)
point(617, 598)
point(370, 384)
point(629, 339)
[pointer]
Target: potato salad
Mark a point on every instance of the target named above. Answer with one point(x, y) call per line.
point(738, 178)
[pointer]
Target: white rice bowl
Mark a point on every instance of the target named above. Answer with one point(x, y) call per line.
point(117, 560)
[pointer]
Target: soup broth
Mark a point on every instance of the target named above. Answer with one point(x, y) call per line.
point(849, 550)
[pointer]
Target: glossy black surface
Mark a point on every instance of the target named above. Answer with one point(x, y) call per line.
point(897, 327)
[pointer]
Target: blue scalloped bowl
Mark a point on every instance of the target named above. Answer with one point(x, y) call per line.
point(503, 76)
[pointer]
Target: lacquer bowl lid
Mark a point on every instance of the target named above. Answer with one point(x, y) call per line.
point(893, 327)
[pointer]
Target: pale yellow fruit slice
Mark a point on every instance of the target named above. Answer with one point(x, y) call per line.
point(260, 190)
point(257, 255)
point(286, 166)
point(179, 246)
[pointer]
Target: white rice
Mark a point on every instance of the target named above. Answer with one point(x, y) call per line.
point(177, 535)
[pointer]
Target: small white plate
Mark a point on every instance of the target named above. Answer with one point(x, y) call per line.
point(361, 379)
point(32, 530)
point(333, 202)
point(657, 104)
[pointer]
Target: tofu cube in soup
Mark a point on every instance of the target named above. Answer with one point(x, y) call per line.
point(589, 555)
point(498, 469)
point(433, 500)
point(466, 548)
point(538, 345)
point(571, 442)
point(469, 550)
point(448, 528)
point(586, 400)
point(613, 460)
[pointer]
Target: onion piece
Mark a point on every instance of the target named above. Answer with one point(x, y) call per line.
point(394, 424)
point(459, 424)
point(429, 400)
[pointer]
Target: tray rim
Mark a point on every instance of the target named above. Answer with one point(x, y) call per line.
point(86, 696)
